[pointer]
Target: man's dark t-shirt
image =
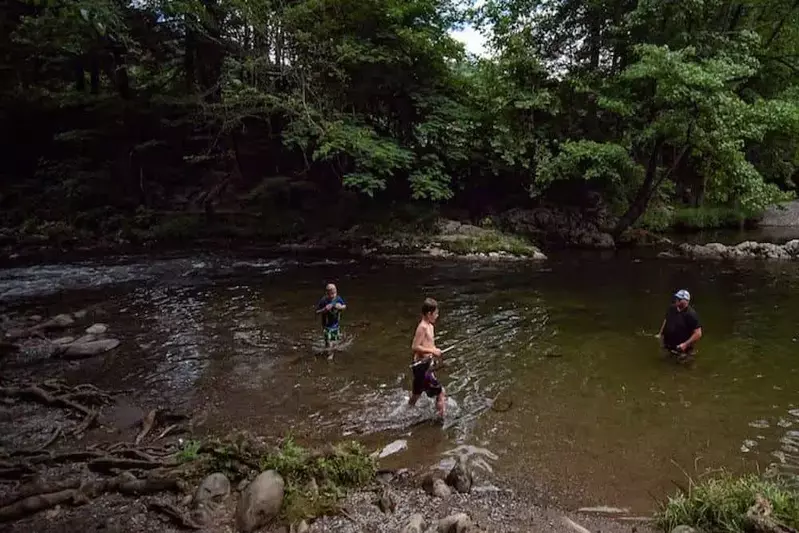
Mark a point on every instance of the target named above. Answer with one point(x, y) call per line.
point(680, 325)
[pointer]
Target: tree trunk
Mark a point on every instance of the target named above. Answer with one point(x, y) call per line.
point(188, 60)
point(80, 76)
point(121, 78)
point(641, 201)
point(95, 75)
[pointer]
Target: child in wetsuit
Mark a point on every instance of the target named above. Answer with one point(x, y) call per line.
point(424, 349)
point(330, 307)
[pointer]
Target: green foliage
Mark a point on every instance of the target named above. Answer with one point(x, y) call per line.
point(720, 504)
point(155, 103)
point(696, 218)
point(189, 451)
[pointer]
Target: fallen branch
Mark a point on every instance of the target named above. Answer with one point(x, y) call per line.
point(147, 425)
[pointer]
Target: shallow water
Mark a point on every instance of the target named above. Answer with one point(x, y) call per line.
point(556, 384)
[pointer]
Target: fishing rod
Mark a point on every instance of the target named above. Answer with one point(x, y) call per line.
point(455, 344)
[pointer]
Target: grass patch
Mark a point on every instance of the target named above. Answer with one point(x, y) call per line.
point(720, 504)
point(489, 242)
point(315, 481)
point(698, 218)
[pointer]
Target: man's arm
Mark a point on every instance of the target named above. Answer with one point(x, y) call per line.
point(695, 336)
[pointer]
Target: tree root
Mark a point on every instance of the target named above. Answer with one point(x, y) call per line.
point(48, 498)
point(178, 517)
point(37, 394)
point(147, 425)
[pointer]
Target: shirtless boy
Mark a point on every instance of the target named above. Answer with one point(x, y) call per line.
point(424, 350)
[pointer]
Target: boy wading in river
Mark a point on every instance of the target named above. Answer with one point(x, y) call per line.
point(330, 307)
point(424, 350)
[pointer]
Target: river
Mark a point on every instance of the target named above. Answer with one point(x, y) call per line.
point(585, 412)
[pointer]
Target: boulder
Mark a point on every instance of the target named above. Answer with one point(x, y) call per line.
point(441, 490)
point(260, 502)
point(792, 247)
point(415, 524)
point(460, 477)
point(457, 523)
point(96, 329)
point(78, 350)
point(213, 489)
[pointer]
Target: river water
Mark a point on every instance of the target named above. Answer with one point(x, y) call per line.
point(557, 384)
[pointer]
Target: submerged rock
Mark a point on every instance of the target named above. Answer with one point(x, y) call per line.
point(96, 329)
point(78, 350)
point(260, 502)
point(395, 447)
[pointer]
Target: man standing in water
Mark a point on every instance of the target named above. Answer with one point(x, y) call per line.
point(424, 350)
point(330, 307)
point(681, 329)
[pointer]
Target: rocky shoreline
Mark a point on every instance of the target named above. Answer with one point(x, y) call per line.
point(743, 251)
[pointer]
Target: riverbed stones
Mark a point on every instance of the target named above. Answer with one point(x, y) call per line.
point(429, 480)
point(213, 489)
point(460, 477)
point(63, 341)
point(89, 349)
point(96, 329)
point(683, 529)
point(58, 321)
point(456, 523)
point(441, 490)
point(260, 502)
point(415, 524)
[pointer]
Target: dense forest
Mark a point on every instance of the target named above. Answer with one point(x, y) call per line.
point(119, 115)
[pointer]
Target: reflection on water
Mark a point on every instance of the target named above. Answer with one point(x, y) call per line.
point(554, 377)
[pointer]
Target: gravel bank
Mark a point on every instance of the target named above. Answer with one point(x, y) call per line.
point(491, 511)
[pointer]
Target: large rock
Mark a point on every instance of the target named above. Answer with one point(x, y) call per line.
point(213, 489)
point(460, 477)
point(744, 250)
point(78, 350)
point(457, 523)
point(260, 502)
point(415, 524)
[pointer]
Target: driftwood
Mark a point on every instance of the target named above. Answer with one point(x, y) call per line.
point(46, 499)
point(147, 425)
